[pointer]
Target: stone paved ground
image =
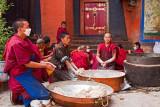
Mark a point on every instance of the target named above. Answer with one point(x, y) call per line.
point(129, 98)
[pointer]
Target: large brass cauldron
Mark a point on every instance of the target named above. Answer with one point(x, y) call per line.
point(73, 87)
point(143, 69)
point(113, 78)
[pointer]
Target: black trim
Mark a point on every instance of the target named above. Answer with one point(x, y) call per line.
point(76, 16)
point(37, 16)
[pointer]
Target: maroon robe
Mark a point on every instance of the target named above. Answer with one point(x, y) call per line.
point(44, 73)
point(95, 63)
point(46, 51)
point(80, 60)
point(73, 52)
point(60, 30)
point(38, 72)
point(139, 50)
point(90, 55)
point(119, 64)
point(106, 53)
point(17, 53)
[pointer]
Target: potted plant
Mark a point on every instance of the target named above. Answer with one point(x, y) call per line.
point(5, 33)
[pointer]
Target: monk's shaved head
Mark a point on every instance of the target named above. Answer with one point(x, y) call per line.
point(107, 38)
point(18, 23)
point(82, 47)
point(40, 41)
point(108, 34)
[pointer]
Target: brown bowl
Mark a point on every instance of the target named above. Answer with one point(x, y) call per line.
point(113, 78)
point(73, 87)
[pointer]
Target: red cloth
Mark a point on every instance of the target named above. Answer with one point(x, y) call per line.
point(46, 51)
point(44, 73)
point(38, 72)
point(95, 63)
point(80, 60)
point(51, 52)
point(60, 30)
point(139, 50)
point(17, 53)
point(0, 83)
point(90, 55)
point(107, 52)
point(73, 52)
point(50, 80)
point(121, 57)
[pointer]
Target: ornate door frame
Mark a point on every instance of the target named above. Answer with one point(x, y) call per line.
point(82, 2)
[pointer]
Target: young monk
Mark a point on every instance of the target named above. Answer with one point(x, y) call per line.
point(66, 69)
point(19, 56)
point(60, 30)
point(45, 52)
point(119, 65)
point(38, 72)
point(106, 53)
point(89, 53)
point(51, 53)
point(53, 46)
point(81, 58)
point(137, 48)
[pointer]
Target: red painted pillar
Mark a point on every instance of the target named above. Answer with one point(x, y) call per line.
point(53, 12)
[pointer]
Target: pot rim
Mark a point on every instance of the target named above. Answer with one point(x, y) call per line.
point(104, 78)
point(111, 93)
point(141, 65)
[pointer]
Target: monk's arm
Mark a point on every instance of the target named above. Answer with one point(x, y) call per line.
point(98, 58)
point(47, 56)
point(32, 64)
point(74, 66)
point(69, 66)
point(113, 57)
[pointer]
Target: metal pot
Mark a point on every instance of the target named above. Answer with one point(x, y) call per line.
point(73, 87)
point(113, 78)
point(143, 69)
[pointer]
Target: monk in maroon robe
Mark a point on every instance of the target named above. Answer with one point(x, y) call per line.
point(60, 30)
point(81, 59)
point(119, 64)
point(38, 72)
point(18, 59)
point(89, 53)
point(137, 48)
point(107, 53)
point(45, 54)
point(75, 51)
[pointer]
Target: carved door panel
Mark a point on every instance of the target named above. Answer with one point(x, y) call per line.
point(94, 18)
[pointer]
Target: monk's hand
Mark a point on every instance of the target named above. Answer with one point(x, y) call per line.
point(50, 66)
point(102, 63)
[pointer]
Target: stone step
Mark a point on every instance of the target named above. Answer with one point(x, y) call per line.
point(92, 38)
point(94, 41)
point(95, 46)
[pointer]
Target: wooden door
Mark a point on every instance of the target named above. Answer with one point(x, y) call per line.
point(94, 18)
